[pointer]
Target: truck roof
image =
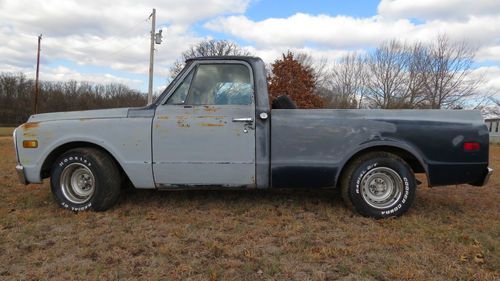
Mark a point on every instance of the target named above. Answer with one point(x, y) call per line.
point(244, 58)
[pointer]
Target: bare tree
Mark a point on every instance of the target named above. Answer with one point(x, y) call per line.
point(318, 67)
point(414, 63)
point(208, 48)
point(489, 106)
point(399, 76)
point(448, 80)
point(346, 82)
point(321, 71)
point(386, 75)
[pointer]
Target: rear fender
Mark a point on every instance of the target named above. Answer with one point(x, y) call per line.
point(382, 145)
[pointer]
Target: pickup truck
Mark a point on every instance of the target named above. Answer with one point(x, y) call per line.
point(213, 127)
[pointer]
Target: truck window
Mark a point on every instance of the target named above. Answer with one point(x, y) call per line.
point(179, 96)
point(221, 84)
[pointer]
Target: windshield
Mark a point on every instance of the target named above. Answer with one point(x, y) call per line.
point(172, 83)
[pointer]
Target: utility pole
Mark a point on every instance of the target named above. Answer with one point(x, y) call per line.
point(37, 71)
point(151, 56)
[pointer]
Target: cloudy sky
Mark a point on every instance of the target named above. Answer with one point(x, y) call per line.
point(108, 41)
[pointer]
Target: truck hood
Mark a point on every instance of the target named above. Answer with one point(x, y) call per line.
point(87, 114)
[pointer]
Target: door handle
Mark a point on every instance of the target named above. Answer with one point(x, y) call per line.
point(245, 120)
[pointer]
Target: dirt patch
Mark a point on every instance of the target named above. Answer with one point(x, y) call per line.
point(451, 233)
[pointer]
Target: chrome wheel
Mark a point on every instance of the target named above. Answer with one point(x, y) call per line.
point(77, 183)
point(381, 187)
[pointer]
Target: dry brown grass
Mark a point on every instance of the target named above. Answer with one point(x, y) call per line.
point(6, 131)
point(451, 233)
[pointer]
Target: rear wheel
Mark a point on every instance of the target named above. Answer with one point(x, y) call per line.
point(379, 185)
point(85, 178)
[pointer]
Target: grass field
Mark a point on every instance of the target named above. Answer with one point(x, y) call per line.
point(6, 131)
point(451, 233)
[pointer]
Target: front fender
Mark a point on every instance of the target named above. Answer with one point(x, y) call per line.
point(128, 140)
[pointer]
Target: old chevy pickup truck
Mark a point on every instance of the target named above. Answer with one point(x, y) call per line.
point(213, 127)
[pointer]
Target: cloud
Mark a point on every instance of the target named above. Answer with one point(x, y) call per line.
point(300, 30)
point(491, 78)
point(94, 17)
point(489, 53)
point(108, 35)
point(441, 9)
point(328, 36)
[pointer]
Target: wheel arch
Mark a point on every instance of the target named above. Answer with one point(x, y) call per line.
point(409, 155)
point(61, 149)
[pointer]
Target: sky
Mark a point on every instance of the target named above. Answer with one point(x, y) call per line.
point(108, 41)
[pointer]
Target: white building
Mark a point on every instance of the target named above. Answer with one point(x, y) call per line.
point(494, 128)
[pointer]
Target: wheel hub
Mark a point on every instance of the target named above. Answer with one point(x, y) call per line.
point(77, 183)
point(381, 187)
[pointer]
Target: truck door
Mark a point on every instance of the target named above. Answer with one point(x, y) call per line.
point(204, 133)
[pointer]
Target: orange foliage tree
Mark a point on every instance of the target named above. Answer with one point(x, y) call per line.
point(291, 78)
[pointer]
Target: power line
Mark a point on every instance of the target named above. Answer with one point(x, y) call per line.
point(155, 39)
point(151, 55)
point(102, 41)
point(142, 39)
point(37, 72)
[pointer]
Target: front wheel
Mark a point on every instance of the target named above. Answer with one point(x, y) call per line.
point(85, 178)
point(379, 185)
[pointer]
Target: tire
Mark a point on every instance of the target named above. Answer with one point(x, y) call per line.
point(85, 179)
point(283, 102)
point(378, 185)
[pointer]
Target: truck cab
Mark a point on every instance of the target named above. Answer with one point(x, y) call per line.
point(215, 115)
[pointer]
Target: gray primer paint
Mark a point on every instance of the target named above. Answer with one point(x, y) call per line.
point(263, 127)
point(128, 140)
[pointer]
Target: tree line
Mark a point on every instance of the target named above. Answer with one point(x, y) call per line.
point(17, 92)
point(395, 75)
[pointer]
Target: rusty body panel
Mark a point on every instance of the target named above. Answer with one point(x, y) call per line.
point(201, 145)
point(30, 125)
point(192, 146)
point(126, 139)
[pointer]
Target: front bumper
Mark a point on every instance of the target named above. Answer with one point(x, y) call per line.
point(20, 174)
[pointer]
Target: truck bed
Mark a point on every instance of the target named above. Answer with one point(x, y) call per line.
point(309, 147)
